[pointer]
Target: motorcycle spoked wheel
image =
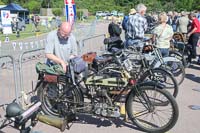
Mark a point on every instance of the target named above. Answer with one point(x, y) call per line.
point(145, 109)
point(54, 99)
point(163, 77)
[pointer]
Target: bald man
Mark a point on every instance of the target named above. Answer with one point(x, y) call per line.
point(61, 46)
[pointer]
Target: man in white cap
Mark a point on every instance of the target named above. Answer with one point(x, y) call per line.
point(125, 20)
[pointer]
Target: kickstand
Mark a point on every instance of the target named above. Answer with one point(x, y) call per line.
point(68, 126)
point(70, 117)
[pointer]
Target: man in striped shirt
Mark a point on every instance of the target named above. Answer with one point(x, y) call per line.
point(136, 26)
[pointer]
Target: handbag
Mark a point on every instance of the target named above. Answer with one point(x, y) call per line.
point(79, 65)
point(162, 31)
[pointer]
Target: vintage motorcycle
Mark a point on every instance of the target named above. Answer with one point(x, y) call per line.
point(103, 93)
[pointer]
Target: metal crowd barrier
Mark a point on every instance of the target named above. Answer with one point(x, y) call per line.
point(15, 48)
point(82, 31)
point(27, 72)
point(92, 44)
point(18, 76)
point(17, 82)
point(8, 77)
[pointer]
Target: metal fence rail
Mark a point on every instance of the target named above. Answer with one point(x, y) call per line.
point(15, 48)
point(8, 77)
point(18, 58)
point(17, 71)
point(19, 81)
point(82, 31)
point(93, 43)
point(27, 72)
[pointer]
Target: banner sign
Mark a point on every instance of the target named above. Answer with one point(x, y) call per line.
point(6, 22)
point(70, 8)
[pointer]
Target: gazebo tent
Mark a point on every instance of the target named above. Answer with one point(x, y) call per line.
point(15, 8)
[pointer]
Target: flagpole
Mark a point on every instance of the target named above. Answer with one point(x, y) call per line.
point(65, 9)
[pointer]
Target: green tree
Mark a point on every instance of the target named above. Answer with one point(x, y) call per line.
point(33, 6)
point(47, 4)
point(109, 5)
point(57, 11)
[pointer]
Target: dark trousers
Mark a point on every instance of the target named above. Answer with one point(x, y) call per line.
point(193, 42)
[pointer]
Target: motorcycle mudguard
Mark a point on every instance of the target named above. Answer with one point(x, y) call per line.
point(37, 85)
point(166, 59)
point(41, 82)
point(177, 53)
point(147, 83)
point(152, 69)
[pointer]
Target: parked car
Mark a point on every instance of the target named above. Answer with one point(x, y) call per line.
point(1, 28)
point(114, 13)
point(107, 13)
point(27, 20)
point(21, 24)
point(120, 14)
point(100, 14)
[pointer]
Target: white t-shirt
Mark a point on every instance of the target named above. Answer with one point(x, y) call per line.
point(164, 40)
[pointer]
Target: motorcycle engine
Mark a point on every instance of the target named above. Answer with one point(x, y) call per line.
point(104, 107)
point(105, 110)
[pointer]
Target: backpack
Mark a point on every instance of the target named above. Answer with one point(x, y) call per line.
point(53, 70)
point(124, 23)
point(114, 29)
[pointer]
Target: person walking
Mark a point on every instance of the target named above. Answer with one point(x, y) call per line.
point(194, 34)
point(174, 21)
point(182, 23)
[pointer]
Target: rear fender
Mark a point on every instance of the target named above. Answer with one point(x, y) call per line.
point(166, 59)
point(147, 83)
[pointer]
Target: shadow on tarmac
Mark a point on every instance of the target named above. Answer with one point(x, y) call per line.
point(87, 119)
point(194, 66)
point(193, 77)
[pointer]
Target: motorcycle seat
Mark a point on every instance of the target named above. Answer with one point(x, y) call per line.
point(13, 110)
point(101, 59)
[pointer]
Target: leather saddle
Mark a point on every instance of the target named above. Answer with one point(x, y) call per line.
point(13, 110)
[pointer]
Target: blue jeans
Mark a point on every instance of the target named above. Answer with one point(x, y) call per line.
point(136, 43)
point(164, 52)
point(174, 28)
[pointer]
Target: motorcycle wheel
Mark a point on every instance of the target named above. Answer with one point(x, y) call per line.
point(58, 99)
point(163, 77)
point(147, 108)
